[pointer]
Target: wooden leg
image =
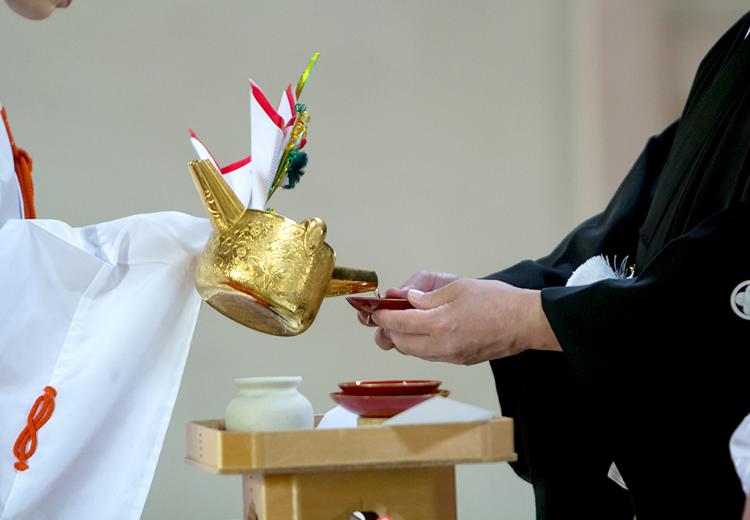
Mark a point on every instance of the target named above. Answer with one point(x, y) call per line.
point(401, 494)
point(250, 487)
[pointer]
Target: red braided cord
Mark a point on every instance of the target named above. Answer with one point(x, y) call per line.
point(40, 413)
point(23, 164)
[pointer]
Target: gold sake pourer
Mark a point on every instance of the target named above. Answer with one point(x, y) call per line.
point(264, 270)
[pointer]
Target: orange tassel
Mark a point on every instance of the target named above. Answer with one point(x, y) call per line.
point(23, 165)
point(40, 413)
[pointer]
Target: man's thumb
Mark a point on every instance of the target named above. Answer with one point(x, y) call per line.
point(432, 299)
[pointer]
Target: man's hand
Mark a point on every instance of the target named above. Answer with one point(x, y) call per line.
point(424, 281)
point(466, 322)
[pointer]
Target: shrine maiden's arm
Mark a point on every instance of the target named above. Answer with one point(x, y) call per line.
point(98, 322)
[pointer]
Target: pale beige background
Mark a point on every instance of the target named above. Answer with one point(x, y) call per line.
point(456, 136)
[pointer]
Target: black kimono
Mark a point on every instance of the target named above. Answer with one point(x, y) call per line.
point(655, 370)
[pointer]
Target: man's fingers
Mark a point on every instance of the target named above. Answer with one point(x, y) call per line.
point(365, 318)
point(396, 293)
point(417, 345)
point(409, 321)
point(420, 280)
point(382, 340)
point(432, 299)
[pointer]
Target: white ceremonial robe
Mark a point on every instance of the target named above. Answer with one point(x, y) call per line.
point(104, 314)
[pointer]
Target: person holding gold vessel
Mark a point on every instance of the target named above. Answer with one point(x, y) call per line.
point(97, 323)
point(93, 388)
point(642, 364)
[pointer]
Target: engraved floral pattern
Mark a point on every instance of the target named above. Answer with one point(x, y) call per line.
point(270, 257)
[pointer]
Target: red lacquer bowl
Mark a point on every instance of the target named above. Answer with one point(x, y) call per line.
point(381, 405)
point(371, 304)
point(390, 387)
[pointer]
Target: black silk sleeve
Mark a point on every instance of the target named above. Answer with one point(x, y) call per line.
point(676, 315)
point(612, 232)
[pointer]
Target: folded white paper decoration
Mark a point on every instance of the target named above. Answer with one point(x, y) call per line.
point(270, 130)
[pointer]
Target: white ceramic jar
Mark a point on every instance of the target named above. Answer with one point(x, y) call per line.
point(269, 404)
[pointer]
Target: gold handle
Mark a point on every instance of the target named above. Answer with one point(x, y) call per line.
point(351, 281)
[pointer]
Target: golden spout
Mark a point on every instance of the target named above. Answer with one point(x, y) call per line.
point(222, 205)
point(351, 281)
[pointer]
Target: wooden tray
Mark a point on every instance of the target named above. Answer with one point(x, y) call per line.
point(211, 447)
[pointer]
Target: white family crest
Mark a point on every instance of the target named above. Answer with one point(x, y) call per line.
point(740, 300)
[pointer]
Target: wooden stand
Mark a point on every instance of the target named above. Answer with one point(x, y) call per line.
point(396, 472)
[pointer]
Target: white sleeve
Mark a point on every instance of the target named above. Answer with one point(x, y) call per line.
point(103, 315)
point(739, 447)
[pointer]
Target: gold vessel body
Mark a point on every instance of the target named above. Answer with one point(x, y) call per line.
point(264, 270)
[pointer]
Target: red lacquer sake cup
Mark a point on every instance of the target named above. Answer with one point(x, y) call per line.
point(370, 304)
point(390, 387)
point(382, 406)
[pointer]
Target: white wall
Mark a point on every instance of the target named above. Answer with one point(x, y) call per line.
point(439, 140)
